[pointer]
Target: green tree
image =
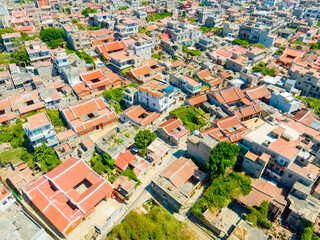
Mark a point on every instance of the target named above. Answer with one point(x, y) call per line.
point(262, 67)
point(102, 163)
point(259, 215)
point(184, 14)
point(55, 118)
point(223, 155)
point(19, 57)
point(144, 3)
point(83, 55)
point(191, 52)
point(75, 21)
point(144, 138)
point(102, 58)
point(87, 11)
point(241, 42)
point(47, 157)
point(53, 37)
point(122, 8)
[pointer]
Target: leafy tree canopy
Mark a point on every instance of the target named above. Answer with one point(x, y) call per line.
point(222, 156)
point(102, 163)
point(221, 191)
point(87, 11)
point(47, 158)
point(53, 37)
point(20, 56)
point(144, 138)
point(261, 67)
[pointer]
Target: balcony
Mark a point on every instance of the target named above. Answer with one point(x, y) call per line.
point(45, 134)
point(127, 99)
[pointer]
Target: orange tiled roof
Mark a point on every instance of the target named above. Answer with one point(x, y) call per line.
point(57, 197)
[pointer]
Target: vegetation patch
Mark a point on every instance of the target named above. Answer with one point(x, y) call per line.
point(206, 29)
point(259, 215)
point(241, 42)
point(261, 67)
point(156, 224)
point(312, 103)
point(222, 189)
point(191, 117)
point(143, 139)
point(102, 163)
point(116, 95)
point(223, 156)
point(280, 50)
point(19, 57)
point(87, 11)
point(224, 186)
point(53, 37)
point(13, 155)
point(259, 45)
point(46, 157)
point(83, 55)
point(55, 118)
point(157, 16)
point(14, 134)
point(190, 51)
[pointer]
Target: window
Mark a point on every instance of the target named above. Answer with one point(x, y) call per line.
point(289, 175)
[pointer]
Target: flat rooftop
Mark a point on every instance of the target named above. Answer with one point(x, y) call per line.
point(15, 224)
point(263, 133)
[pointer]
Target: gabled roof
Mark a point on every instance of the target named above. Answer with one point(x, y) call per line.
point(308, 118)
point(95, 79)
point(68, 192)
point(197, 99)
point(227, 95)
point(124, 159)
point(140, 115)
point(179, 172)
point(257, 92)
point(171, 125)
point(38, 120)
point(88, 113)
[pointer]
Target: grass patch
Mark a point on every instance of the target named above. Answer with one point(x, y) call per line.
point(13, 155)
point(241, 42)
point(313, 103)
point(191, 117)
point(191, 52)
point(299, 42)
point(259, 45)
point(280, 50)
point(261, 67)
point(222, 189)
point(259, 215)
point(157, 16)
point(156, 224)
point(116, 95)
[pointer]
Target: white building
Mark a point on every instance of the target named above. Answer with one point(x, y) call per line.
point(156, 95)
point(38, 52)
point(60, 58)
point(6, 199)
point(126, 28)
point(284, 101)
point(313, 13)
point(40, 130)
point(11, 41)
point(271, 3)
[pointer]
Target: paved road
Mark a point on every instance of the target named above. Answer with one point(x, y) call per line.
point(142, 194)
